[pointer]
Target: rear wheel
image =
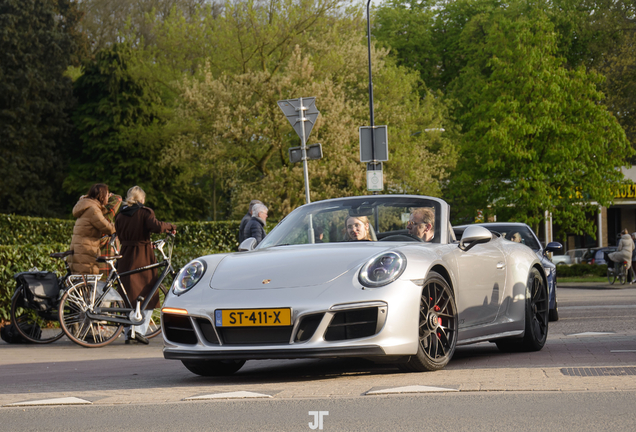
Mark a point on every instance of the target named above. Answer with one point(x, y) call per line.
point(437, 327)
point(79, 327)
point(40, 327)
point(536, 318)
point(213, 367)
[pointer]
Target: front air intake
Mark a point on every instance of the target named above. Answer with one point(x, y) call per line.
point(208, 330)
point(307, 327)
point(178, 329)
point(353, 324)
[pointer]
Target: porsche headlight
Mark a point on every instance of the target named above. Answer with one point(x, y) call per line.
point(188, 277)
point(382, 269)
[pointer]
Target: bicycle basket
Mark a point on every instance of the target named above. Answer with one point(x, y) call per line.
point(41, 289)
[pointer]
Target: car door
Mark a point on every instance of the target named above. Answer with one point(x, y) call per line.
point(482, 278)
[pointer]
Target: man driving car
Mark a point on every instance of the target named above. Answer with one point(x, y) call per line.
point(422, 223)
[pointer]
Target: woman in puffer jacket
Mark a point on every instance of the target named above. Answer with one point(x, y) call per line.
point(89, 227)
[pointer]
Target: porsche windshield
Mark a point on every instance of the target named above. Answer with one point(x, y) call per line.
point(371, 218)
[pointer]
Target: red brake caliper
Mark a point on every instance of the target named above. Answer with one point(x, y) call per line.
point(436, 308)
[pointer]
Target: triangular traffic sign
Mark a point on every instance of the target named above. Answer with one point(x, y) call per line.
point(292, 110)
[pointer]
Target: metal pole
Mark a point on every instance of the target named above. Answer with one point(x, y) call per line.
point(371, 89)
point(304, 150)
point(370, 78)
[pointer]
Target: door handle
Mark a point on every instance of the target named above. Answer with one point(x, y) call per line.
point(500, 265)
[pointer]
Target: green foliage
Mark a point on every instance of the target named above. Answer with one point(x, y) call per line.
point(120, 141)
point(536, 134)
point(426, 34)
point(581, 270)
point(405, 26)
point(38, 41)
point(106, 21)
point(25, 230)
point(241, 139)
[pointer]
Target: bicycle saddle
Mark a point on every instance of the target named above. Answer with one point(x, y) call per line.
point(108, 258)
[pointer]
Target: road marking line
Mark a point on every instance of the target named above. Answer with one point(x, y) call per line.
point(230, 395)
point(411, 389)
point(623, 351)
point(57, 401)
point(590, 333)
point(561, 308)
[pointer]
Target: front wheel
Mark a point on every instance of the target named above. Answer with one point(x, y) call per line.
point(622, 275)
point(611, 274)
point(437, 331)
point(536, 317)
point(210, 368)
point(79, 327)
point(39, 327)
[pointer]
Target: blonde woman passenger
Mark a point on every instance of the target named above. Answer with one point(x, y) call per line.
point(357, 228)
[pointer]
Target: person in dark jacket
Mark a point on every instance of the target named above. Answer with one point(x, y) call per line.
point(256, 226)
point(134, 223)
point(245, 220)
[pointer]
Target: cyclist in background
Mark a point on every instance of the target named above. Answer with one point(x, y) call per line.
point(624, 253)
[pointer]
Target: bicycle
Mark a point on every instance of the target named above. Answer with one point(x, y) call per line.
point(93, 313)
point(617, 271)
point(35, 317)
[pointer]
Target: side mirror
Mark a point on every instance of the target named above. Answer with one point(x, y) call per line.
point(474, 235)
point(554, 247)
point(247, 244)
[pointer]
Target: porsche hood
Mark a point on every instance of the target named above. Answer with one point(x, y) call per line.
point(290, 266)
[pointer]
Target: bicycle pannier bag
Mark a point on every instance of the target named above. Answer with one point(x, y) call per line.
point(41, 289)
point(11, 335)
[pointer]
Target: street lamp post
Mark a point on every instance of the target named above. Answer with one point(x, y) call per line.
point(370, 76)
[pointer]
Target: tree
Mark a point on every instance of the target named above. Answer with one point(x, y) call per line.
point(106, 22)
point(536, 136)
point(38, 41)
point(243, 137)
point(620, 69)
point(120, 135)
point(425, 34)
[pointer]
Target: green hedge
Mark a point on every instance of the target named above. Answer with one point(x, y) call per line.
point(26, 242)
point(21, 230)
point(577, 270)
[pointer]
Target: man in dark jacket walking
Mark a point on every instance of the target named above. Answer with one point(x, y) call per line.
point(245, 221)
point(256, 226)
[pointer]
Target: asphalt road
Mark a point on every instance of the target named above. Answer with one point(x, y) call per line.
point(584, 376)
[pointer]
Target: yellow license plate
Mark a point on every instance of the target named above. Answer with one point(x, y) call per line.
point(252, 317)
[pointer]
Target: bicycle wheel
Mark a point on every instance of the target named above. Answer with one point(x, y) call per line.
point(40, 327)
point(611, 274)
point(79, 327)
point(622, 275)
point(154, 328)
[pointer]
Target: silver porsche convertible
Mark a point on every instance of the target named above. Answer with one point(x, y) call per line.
point(380, 277)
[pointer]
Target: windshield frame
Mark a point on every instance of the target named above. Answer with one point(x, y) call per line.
point(274, 238)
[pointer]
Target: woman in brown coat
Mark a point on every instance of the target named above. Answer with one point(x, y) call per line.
point(88, 229)
point(134, 224)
